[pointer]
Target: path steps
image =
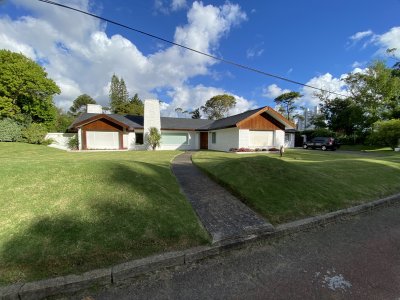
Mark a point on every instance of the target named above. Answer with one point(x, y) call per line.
point(223, 215)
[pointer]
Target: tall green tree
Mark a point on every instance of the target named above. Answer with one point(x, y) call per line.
point(377, 91)
point(218, 106)
point(79, 104)
point(135, 106)
point(25, 89)
point(287, 102)
point(119, 97)
point(344, 116)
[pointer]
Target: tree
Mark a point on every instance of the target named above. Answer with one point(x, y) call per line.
point(119, 97)
point(377, 91)
point(25, 89)
point(154, 138)
point(136, 106)
point(63, 121)
point(286, 101)
point(343, 116)
point(386, 133)
point(80, 103)
point(196, 114)
point(218, 106)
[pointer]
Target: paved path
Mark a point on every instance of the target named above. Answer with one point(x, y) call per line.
point(354, 259)
point(222, 214)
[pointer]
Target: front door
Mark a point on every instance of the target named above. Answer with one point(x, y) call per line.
point(203, 140)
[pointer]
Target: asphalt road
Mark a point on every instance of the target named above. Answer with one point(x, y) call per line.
point(358, 258)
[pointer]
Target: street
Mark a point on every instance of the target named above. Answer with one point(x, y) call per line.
point(358, 258)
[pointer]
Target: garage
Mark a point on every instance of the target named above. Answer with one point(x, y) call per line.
point(102, 140)
point(259, 139)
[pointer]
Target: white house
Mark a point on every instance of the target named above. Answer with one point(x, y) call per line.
point(258, 128)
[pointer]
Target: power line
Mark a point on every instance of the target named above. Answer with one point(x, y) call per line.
point(192, 49)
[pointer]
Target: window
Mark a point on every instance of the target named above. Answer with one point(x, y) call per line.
point(179, 138)
point(214, 137)
point(139, 138)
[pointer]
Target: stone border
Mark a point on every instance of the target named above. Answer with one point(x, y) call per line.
point(65, 285)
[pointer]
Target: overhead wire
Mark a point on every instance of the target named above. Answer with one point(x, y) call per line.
point(226, 61)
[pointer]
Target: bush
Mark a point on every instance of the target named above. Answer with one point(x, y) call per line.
point(154, 138)
point(386, 133)
point(34, 133)
point(10, 131)
point(73, 143)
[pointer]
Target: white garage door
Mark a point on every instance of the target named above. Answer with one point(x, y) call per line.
point(102, 140)
point(261, 138)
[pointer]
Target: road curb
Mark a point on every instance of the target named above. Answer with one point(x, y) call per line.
point(102, 277)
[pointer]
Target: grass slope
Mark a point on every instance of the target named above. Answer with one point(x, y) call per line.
point(66, 213)
point(304, 183)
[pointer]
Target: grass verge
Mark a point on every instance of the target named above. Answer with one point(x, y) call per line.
point(63, 213)
point(303, 183)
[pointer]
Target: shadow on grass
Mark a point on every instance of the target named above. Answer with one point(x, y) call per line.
point(287, 189)
point(109, 230)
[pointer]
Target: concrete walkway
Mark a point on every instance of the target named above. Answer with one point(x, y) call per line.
point(222, 214)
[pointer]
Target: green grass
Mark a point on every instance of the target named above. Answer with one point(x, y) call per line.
point(63, 213)
point(304, 183)
point(366, 148)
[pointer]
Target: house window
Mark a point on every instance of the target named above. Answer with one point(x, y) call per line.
point(179, 138)
point(139, 138)
point(213, 137)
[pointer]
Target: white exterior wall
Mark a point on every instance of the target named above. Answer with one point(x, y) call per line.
point(60, 139)
point(130, 140)
point(244, 138)
point(94, 108)
point(151, 116)
point(279, 138)
point(192, 143)
point(80, 138)
point(225, 139)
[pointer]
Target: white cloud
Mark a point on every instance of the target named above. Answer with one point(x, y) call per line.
point(390, 40)
point(256, 51)
point(272, 91)
point(83, 61)
point(360, 35)
point(192, 97)
point(326, 82)
point(385, 41)
point(166, 6)
point(178, 4)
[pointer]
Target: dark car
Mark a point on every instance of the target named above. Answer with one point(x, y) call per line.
point(324, 143)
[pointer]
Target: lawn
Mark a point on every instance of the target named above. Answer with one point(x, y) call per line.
point(304, 182)
point(63, 213)
point(366, 148)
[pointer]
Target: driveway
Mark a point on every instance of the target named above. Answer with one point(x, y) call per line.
point(354, 259)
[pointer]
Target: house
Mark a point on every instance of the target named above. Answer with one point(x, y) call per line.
point(257, 128)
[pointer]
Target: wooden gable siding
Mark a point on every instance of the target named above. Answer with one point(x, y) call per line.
point(261, 122)
point(102, 125)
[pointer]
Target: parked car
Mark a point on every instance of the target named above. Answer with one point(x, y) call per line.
point(324, 143)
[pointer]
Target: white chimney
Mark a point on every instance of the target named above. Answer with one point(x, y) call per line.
point(151, 115)
point(94, 108)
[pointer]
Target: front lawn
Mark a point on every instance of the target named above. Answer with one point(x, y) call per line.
point(63, 213)
point(304, 182)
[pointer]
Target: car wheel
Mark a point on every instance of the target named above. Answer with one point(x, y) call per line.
point(305, 147)
point(323, 148)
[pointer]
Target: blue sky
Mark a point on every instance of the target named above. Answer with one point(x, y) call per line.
point(314, 42)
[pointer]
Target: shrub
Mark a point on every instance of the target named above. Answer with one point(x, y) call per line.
point(73, 143)
point(386, 133)
point(34, 133)
point(10, 131)
point(154, 138)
